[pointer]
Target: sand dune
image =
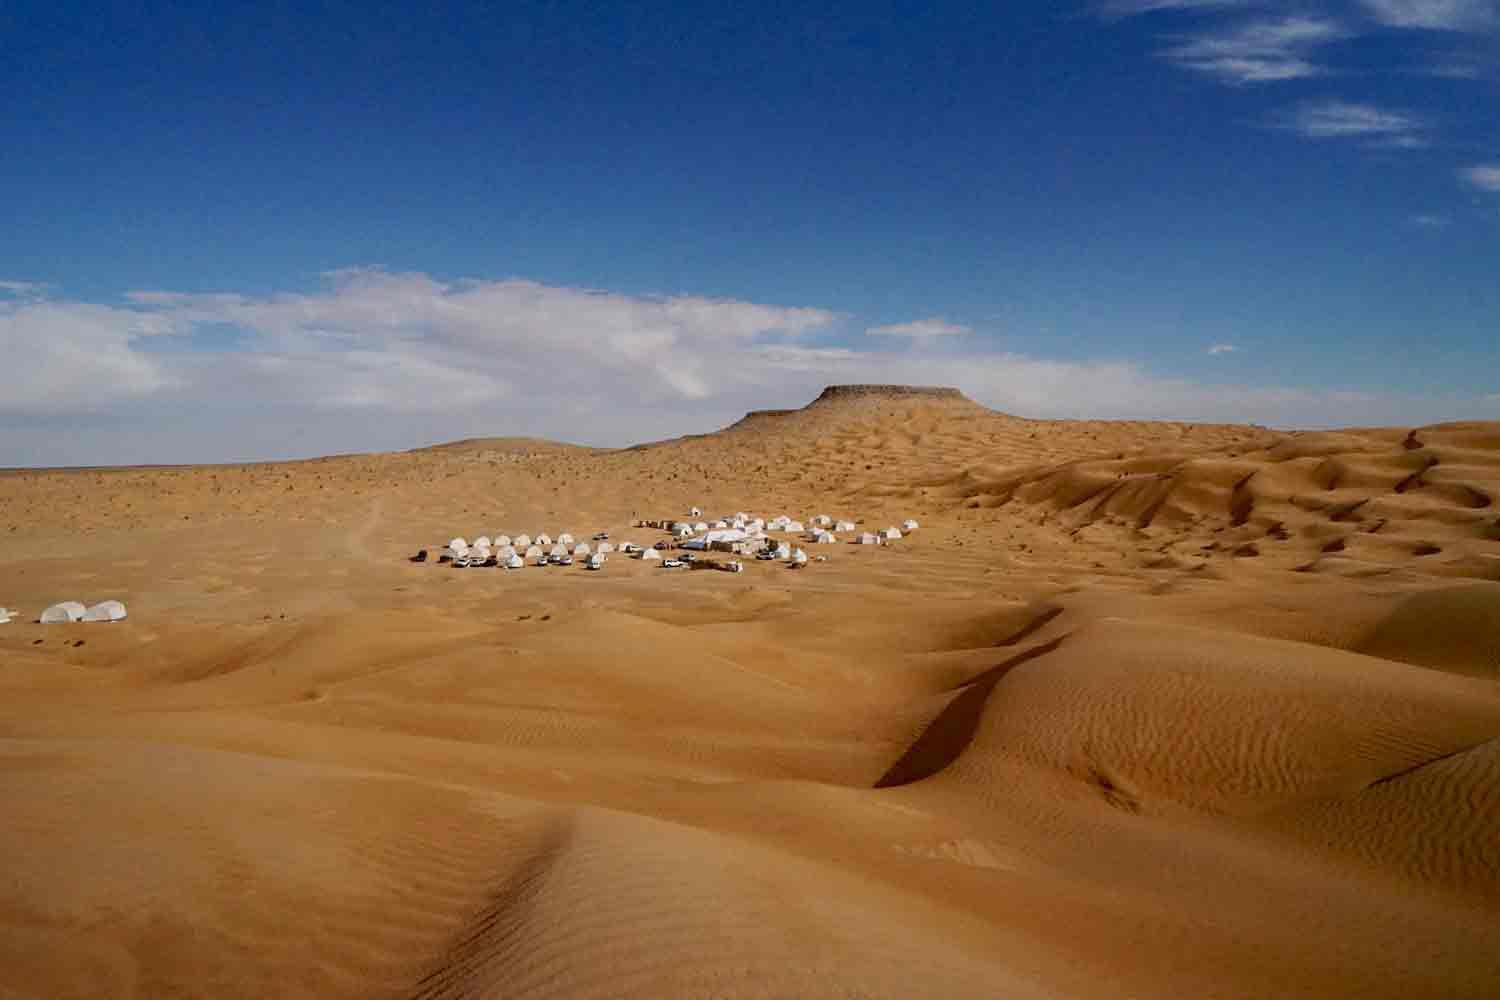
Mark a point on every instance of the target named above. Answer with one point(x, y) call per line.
point(1141, 709)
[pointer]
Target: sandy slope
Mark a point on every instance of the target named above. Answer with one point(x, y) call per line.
point(1142, 709)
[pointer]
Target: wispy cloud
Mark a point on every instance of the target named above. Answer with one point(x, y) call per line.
point(922, 329)
point(1435, 15)
point(1337, 119)
point(1428, 220)
point(1260, 51)
point(1218, 349)
point(1115, 9)
point(22, 289)
point(1484, 176)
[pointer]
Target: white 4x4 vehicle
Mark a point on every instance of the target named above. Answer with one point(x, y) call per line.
point(672, 563)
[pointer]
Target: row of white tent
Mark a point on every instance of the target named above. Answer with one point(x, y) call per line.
point(75, 611)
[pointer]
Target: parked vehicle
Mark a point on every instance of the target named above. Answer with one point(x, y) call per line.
point(672, 563)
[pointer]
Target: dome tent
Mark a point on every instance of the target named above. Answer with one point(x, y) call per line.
point(67, 611)
point(581, 549)
point(521, 541)
point(844, 526)
point(532, 551)
point(514, 561)
point(501, 541)
point(543, 539)
point(558, 551)
point(908, 525)
point(565, 539)
point(650, 555)
point(105, 611)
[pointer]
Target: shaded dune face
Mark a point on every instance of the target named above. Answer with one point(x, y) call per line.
point(1150, 709)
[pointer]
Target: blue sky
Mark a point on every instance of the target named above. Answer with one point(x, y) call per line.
point(339, 226)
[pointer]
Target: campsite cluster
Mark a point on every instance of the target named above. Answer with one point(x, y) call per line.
point(73, 611)
point(739, 534)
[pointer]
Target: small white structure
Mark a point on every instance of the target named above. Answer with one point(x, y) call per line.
point(695, 512)
point(783, 551)
point(822, 520)
point(720, 525)
point(824, 538)
point(482, 542)
point(515, 561)
point(650, 555)
point(105, 611)
point(908, 525)
point(799, 558)
point(755, 525)
point(844, 526)
point(67, 611)
point(867, 539)
point(596, 561)
point(479, 555)
point(458, 545)
point(700, 526)
point(543, 539)
point(6, 615)
point(505, 552)
point(541, 557)
point(565, 539)
point(778, 523)
point(522, 541)
point(532, 551)
point(682, 530)
point(558, 551)
point(891, 534)
point(501, 541)
point(581, 549)
point(603, 547)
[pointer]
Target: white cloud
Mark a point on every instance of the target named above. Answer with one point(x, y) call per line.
point(1218, 349)
point(1435, 15)
point(1336, 119)
point(1427, 220)
point(387, 361)
point(921, 329)
point(1131, 8)
point(1484, 176)
point(22, 289)
point(1260, 51)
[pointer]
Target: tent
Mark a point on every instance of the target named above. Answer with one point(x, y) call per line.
point(822, 520)
point(522, 541)
point(682, 530)
point(6, 614)
point(720, 524)
point(458, 545)
point(482, 542)
point(543, 539)
point(695, 512)
point(799, 557)
point(105, 611)
point(581, 549)
point(824, 537)
point(515, 561)
point(532, 551)
point(650, 555)
point(908, 525)
point(603, 547)
point(596, 561)
point(844, 526)
point(867, 539)
point(67, 611)
point(701, 526)
point(783, 551)
point(501, 541)
point(506, 551)
point(558, 551)
point(565, 539)
point(795, 526)
point(891, 534)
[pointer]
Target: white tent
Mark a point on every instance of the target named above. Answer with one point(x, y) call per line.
point(682, 530)
point(67, 611)
point(596, 561)
point(700, 526)
point(825, 538)
point(891, 534)
point(720, 524)
point(501, 541)
point(783, 551)
point(603, 547)
point(478, 554)
point(778, 523)
point(867, 539)
point(559, 550)
point(581, 549)
point(505, 552)
point(6, 614)
point(458, 545)
point(565, 539)
point(650, 555)
point(795, 526)
point(755, 525)
point(515, 561)
point(695, 544)
point(532, 551)
point(543, 539)
point(522, 541)
point(482, 542)
point(105, 611)
point(822, 520)
point(799, 557)
point(908, 525)
point(844, 526)
point(695, 512)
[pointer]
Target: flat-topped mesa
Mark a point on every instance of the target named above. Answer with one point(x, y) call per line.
point(841, 393)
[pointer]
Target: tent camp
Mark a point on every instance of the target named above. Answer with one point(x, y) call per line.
point(105, 611)
point(67, 611)
point(908, 525)
point(650, 555)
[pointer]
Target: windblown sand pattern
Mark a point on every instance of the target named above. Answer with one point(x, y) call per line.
point(1142, 709)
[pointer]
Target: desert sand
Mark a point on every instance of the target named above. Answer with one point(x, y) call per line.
point(1142, 709)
